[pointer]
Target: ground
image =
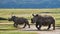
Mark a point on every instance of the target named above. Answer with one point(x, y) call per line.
point(34, 29)
point(43, 30)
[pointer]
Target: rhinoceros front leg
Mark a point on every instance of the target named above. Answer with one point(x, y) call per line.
point(24, 25)
point(49, 26)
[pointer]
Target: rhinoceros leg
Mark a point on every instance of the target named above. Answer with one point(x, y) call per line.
point(15, 25)
point(38, 26)
point(28, 25)
point(24, 26)
point(53, 26)
point(49, 26)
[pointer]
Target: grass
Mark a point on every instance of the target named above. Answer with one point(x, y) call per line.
point(17, 32)
point(26, 11)
point(6, 26)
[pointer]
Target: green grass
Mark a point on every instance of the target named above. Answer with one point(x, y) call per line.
point(17, 32)
point(6, 26)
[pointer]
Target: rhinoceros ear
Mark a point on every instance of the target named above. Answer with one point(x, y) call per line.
point(33, 15)
point(37, 15)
